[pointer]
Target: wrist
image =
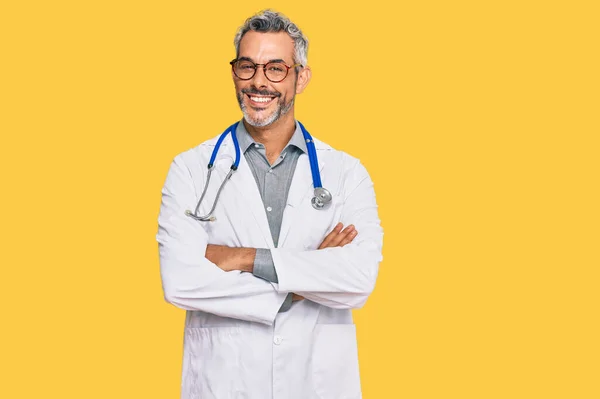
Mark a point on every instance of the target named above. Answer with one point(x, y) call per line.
point(246, 259)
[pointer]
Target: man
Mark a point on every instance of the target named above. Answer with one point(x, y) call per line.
point(270, 282)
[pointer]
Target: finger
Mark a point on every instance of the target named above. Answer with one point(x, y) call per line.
point(346, 235)
point(336, 230)
point(335, 242)
point(333, 233)
point(349, 238)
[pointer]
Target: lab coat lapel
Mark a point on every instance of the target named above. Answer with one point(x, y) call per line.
point(301, 189)
point(247, 195)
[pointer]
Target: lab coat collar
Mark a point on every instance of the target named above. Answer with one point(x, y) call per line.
point(301, 189)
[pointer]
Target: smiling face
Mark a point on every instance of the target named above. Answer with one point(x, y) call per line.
point(262, 101)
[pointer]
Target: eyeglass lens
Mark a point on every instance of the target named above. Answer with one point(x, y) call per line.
point(275, 71)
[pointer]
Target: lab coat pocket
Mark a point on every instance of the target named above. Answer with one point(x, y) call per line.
point(335, 362)
point(216, 364)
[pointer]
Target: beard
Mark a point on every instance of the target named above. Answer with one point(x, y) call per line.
point(263, 117)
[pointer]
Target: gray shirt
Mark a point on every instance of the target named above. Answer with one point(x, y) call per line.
point(273, 181)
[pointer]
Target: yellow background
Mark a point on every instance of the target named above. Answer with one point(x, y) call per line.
point(478, 121)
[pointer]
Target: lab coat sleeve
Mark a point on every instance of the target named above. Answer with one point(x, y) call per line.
point(189, 280)
point(339, 277)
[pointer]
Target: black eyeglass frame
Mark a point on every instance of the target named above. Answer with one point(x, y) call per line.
point(287, 72)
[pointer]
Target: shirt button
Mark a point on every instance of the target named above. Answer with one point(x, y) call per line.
point(269, 209)
point(270, 170)
point(277, 340)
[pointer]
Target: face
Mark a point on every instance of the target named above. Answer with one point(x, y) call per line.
point(262, 101)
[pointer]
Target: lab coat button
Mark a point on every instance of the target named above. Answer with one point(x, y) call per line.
point(277, 340)
point(269, 209)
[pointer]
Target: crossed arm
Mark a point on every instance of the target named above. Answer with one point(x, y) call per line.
point(242, 259)
point(338, 274)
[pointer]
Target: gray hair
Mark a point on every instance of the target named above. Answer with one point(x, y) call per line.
point(272, 21)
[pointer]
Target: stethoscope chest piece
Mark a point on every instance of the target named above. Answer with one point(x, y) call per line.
point(321, 199)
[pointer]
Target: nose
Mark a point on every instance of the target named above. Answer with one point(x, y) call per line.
point(259, 79)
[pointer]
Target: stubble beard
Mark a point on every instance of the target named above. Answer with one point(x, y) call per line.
point(258, 121)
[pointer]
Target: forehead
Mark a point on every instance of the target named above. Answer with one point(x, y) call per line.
point(262, 47)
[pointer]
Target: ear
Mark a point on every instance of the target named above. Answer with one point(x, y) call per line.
point(303, 78)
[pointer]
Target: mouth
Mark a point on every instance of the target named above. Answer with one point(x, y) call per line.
point(259, 101)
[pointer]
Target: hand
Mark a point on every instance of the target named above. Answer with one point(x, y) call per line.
point(228, 259)
point(296, 297)
point(339, 237)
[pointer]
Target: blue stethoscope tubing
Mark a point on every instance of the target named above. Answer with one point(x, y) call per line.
point(321, 197)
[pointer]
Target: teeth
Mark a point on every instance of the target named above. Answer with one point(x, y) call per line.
point(261, 99)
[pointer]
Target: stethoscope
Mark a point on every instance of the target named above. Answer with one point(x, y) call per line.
point(321, 197)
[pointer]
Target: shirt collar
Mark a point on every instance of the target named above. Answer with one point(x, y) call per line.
point(245, 140)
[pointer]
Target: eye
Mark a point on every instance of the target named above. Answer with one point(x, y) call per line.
point(245, 65)
point(277, 68)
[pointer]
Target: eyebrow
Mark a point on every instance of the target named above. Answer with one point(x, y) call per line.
point(251, 60)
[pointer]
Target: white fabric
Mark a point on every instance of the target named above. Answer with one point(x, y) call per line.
point(236, 344)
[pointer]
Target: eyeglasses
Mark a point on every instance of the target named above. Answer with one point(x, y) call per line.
point(274, 71)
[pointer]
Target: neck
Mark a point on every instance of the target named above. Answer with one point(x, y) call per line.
point(274, 136)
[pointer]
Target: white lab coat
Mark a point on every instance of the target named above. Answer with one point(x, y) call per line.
point(236, 344)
